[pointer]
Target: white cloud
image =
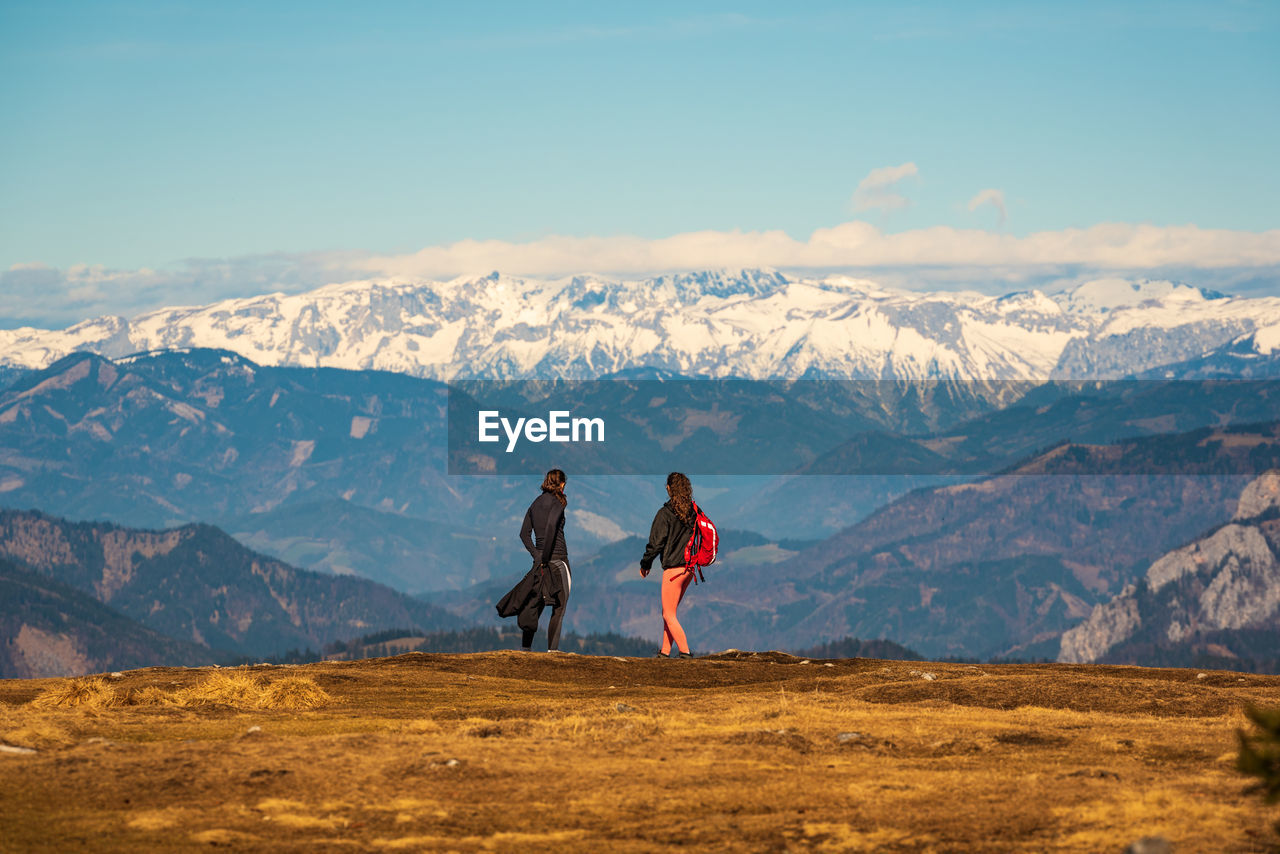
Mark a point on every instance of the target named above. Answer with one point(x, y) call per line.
point(995, 198)
point(851, 244)
point(875, 192)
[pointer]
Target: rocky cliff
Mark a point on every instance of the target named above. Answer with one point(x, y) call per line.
point(1217, 598)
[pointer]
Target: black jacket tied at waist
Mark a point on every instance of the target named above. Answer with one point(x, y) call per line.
point(539, 587)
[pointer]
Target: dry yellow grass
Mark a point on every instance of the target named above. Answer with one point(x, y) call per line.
point(24, 729)
point(232, 689)
point(236, 689)
point(293, 693)
point(90, 693)
point(153, 695)
point(499, 752)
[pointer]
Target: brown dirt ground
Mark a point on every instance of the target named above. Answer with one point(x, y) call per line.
point(533, 752)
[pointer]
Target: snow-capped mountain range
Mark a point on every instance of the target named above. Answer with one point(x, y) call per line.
point(751, 323)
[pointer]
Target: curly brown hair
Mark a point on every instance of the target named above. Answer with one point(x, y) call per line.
point(681, 491)
point(554, 483)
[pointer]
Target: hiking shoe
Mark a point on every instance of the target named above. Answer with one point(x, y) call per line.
point(661, 654)
point(687, 655)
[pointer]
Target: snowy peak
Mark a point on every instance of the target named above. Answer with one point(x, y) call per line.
point(692, 287)
point(750, 323)
point(1100, 296)
point(1027, 301)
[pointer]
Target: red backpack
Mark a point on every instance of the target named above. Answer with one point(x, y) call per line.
point(701, 550)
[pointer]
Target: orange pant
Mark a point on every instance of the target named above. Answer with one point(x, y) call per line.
point(674, 582)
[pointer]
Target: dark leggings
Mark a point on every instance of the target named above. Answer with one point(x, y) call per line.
point(557, 610)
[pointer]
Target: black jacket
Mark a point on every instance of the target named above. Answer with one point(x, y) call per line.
point(539, 587)
point(545, 520)
point(667, 537)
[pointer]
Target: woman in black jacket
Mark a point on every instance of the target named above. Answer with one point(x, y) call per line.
point(670, 533)
point(544, 520)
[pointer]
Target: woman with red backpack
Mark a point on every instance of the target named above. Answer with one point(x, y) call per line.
point(670, 537)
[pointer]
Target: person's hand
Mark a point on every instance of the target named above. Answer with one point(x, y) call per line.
point(644, 573)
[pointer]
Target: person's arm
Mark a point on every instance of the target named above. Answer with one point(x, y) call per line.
point(526, 533)
point(549, 537)
point(658, 533)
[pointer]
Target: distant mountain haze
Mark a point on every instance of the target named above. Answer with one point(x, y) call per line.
point(1002, 566)
point(197, 585)
point(344, 471)
point(48, 628)
point(348, 539)
point(1083, 413)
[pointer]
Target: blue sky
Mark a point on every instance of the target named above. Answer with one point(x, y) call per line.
point(138, 135)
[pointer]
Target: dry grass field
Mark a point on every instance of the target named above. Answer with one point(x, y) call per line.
point(533, 752)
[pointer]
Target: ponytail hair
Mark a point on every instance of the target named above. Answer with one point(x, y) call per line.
point(681, 496)
point(554, 483)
